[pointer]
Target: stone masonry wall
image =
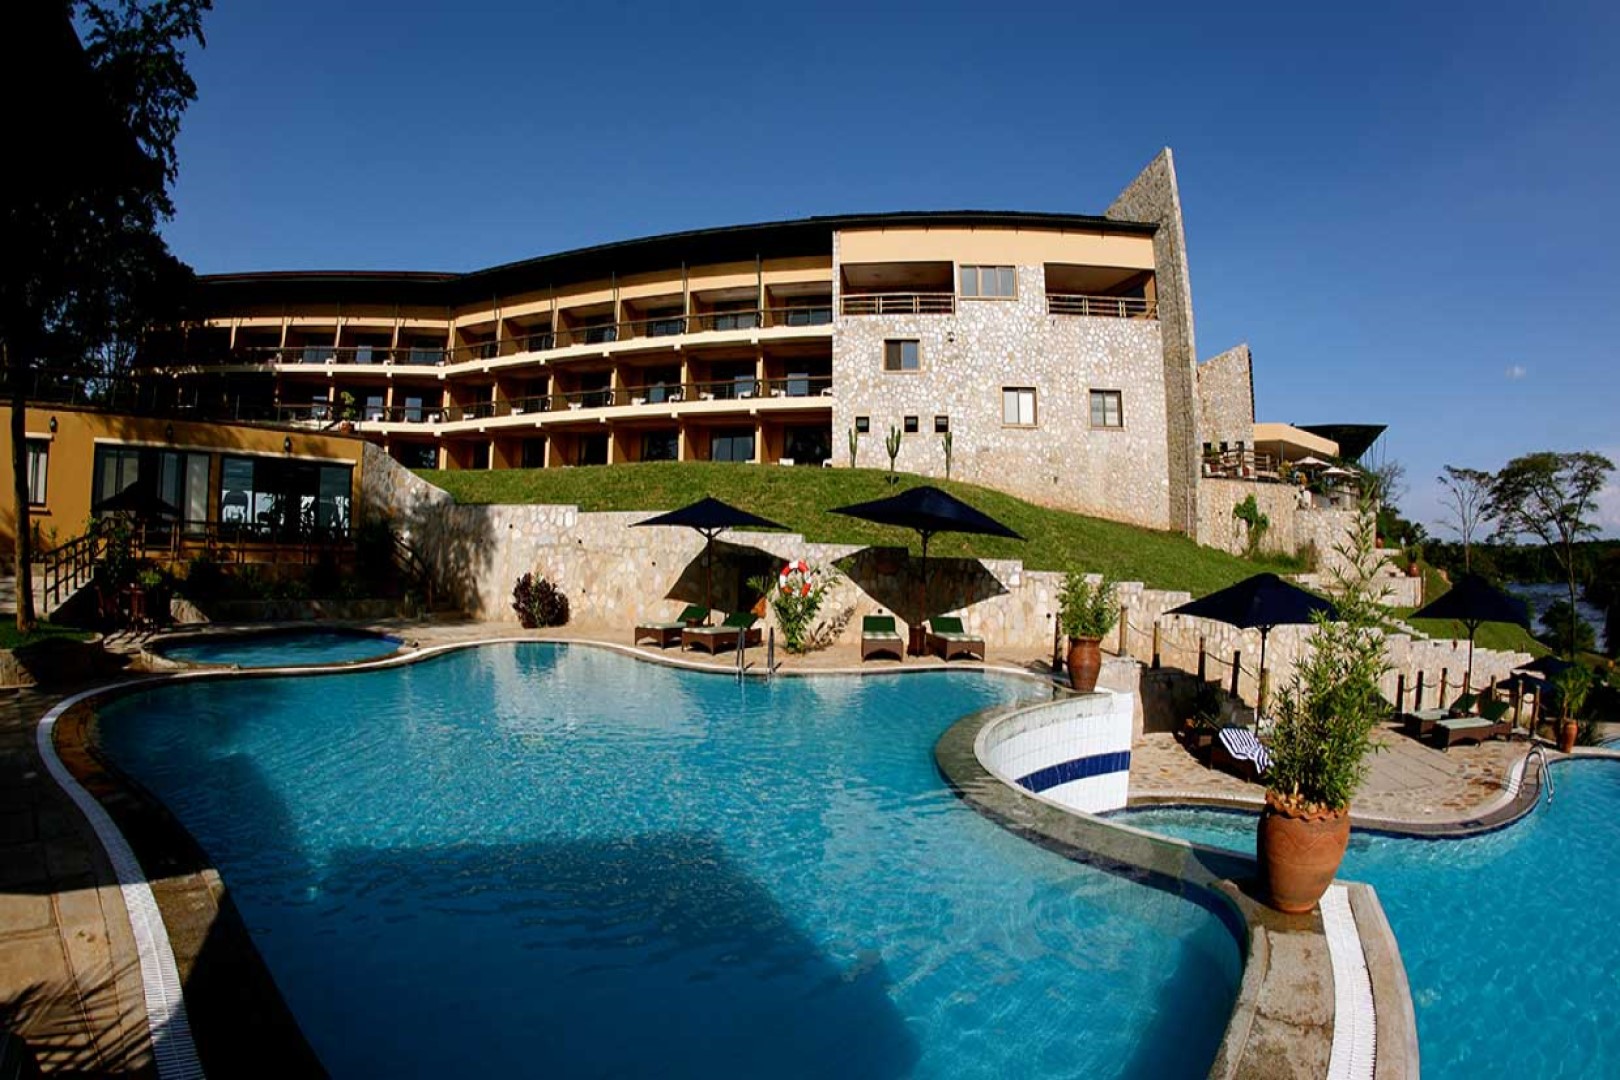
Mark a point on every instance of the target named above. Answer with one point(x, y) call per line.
point(616, 576)
point(1153, 196)
point(1226, 400)
point(965, 362)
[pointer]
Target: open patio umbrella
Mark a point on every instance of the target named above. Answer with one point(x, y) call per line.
point(1547, 667)
point(140, 499)
point(1258, 603)
point(1335, 471)
point(928, 510)
point(1309, 462)
point(710, 516)
point(1473, 600)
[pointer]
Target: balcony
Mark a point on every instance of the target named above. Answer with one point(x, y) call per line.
point(899, 303)
point(1102, 307)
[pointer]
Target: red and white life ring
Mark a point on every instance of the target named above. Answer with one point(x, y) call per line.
point(784, 580)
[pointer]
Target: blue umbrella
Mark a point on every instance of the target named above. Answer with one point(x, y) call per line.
point(710, 516)
point(1473, 600)
point(1258, 603)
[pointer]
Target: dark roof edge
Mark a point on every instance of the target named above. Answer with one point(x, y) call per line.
point(595, 253)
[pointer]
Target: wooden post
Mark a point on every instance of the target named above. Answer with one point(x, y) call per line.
point(1261, 693)
point(1124, 631)
point(1237, 669)
point(1203, 657)
point(1057, 646)
point(1156, 642)
point(1445, 677)
point(1417, 701)
point(1400, 693)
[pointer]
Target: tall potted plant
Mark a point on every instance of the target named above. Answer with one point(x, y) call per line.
point(1325, 718)
point(1574, 686)
point(1086, 612)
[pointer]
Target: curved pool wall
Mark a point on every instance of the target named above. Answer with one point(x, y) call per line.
point(1075, 751)
point(278, 647)
point(1507, 935)
point(873, 959)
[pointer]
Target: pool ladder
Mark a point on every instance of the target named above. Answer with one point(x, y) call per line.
point(1543, 778)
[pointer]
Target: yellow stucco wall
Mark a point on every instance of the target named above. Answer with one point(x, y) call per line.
point(70, 466)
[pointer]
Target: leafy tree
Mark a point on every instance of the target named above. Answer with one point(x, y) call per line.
point(85, 268)
point(1565, 631)
point(1467, 499)
point(1551, 496)
point(1604, 591)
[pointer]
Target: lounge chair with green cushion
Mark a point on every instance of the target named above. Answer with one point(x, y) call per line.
point(1464, 705)
point(947, 639)
point(665, 634)
point(1420, 724)
point(878, 636)
point(737, 631)
point(1475, 729)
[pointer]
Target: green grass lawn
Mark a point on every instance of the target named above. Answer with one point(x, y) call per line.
point(800, 498)
point(11, 639)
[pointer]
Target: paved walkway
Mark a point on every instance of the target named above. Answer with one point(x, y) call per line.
point(68, 976)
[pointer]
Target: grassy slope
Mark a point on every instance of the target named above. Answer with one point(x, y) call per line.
point(10, 639)
point(1504, 636)
point(800, 497)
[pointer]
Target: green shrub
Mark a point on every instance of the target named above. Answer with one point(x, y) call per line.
point(795, 596)
point(1086, 610)
point(1256, 523)
point(538, 602)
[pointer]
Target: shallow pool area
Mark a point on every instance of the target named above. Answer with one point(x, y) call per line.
point(1508, 938)
point(539, 858)
point(280, 648)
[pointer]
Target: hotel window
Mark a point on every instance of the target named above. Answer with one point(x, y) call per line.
point(732, 444)
point(374, 406)
point(177, 478)
point(1018, 406)
point(989, 282)
point(274, 496)
point(911, 425)
point(1105, 409)
point(39, 455)
point(863, 424)
point(942, 424)
point(660, 446)
point(736, 315)
point(665, 322)
point(900, 355)
point(809, 311)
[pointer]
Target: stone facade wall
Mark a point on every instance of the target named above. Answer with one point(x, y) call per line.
point(1226, 400)
point(1294, 527)
point(1153, 196)
point(965, 362)
point(616, 576)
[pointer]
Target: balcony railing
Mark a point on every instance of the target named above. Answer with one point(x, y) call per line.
point(1103, 307)
point(900, 303)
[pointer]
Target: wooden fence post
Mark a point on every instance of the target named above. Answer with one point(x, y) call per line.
point(1156, 643)
point(1417, 701)
point(1400, 693)
point(1237, 669)
point(1445, 677)
point(1124, 630)
point(1203, 657)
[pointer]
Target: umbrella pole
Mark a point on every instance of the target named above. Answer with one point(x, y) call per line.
point(708, 573)
point(1260, 690)
point(1468, 679)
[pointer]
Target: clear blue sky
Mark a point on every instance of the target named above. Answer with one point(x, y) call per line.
point(1407, 210)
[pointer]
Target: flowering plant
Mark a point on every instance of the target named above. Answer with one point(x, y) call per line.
point(795, 598)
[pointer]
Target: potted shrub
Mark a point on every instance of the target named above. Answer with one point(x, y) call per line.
point(1325, 718)
point(1574, 686)
point(795, 597)
point(1086, 613)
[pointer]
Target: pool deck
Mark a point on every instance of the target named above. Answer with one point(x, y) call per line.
point(70, 981)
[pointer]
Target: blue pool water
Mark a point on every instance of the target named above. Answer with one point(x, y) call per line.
point(532, 859)
point(1508, 938)
point(282, 648)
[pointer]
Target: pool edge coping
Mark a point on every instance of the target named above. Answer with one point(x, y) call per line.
point(1204, 875)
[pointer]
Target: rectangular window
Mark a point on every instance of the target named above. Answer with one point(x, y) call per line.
point(863, 424)
point(374, 406)
point(426, 355)
point(665, 322)
point(735, 315)
point(413, 410)
point(809, 312)
point(734, 444)
point(942, 424)
point(987, 282)
point(807, 445)
point(900, 356)
point(1105, 409)
point(1018, 406)
point(272, 496)
point(39, 455)
point(911, 425)
point(659, 446)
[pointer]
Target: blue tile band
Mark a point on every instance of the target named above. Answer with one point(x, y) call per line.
point(1079, 769)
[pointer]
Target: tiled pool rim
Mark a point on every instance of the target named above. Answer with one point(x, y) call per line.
point(155, 651)
point(1208, 876)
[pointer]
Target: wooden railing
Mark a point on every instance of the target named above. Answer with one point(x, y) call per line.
point(1104, 307)
point(69, 567)
point(900, 303)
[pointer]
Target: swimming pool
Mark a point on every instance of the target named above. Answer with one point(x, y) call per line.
point(281, 648)
point(1508, 938)
point(543, 858)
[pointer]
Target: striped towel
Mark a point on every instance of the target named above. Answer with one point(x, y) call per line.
point(1244, 745)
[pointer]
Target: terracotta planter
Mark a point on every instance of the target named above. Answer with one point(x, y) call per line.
point(1085, 663)
point(1567, 732)
point(1299, 855)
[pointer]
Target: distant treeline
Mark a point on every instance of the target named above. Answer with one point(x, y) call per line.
point(1525, 562)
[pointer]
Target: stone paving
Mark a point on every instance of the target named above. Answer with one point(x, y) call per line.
point(69, 980)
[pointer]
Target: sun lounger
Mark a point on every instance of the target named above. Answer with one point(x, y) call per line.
point(1492, 722)
point(1420, 724)
point(946, 639)
point(665, 634)
point(878, 636)
point(1239, 751)
point(737, 630)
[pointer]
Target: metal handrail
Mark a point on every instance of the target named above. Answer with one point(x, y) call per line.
point(900, 303)
point(70, 566)
point(1102, 307)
